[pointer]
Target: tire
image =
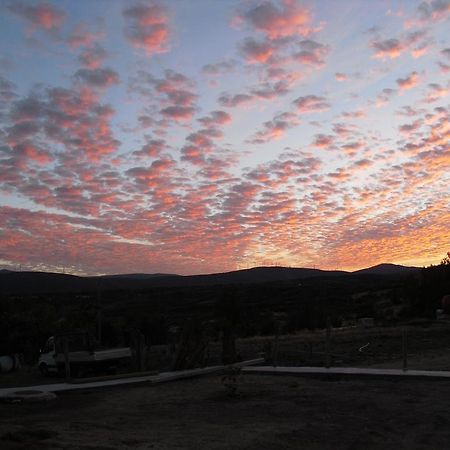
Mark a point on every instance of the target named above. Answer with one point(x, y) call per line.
point(43, 368)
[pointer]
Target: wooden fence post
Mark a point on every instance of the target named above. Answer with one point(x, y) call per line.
point(66, 356)
point(405, 348)
point(328, 344)
point(275, 347)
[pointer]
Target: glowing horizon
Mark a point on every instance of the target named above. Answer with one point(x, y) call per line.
point(197, 137)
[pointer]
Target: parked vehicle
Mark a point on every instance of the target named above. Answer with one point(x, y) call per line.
point(82, 352)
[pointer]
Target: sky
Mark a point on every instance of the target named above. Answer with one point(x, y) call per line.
point(201, 136)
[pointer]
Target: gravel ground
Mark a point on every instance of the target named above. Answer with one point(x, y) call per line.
point(267, 412)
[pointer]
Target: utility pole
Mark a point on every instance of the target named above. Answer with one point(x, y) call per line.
point(99, 313)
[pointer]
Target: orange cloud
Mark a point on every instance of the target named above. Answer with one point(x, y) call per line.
point(256, 52)
point(341, 76)
point(408, 82)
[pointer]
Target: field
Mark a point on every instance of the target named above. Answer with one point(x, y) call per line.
point(266, 413)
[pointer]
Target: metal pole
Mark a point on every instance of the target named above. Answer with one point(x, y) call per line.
point(66, 356)
point(99, 314)
point(328, 343)
point(275, 348)
point(405, 348)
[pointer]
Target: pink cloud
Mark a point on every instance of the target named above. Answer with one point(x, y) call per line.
point(173, 96)
point(384, 97)
point(34, 153)
point(193, 154)
point(146, 121)
point(93, 57)
point(344, 130)
point(198, 145)
point(232, 101)
point(81, 36)
point(410, 128)
point(429, 12)
point(44, 15)
point(147, 27)
point(389, 48)
point(358, 114)
point(75, 118)
point(339, 175)
point(351, 148)
point(256, 52)
point(268, 91)
point(215, 118)
point(178, 112)
point(28, 108)
point(220, 68)
point(280, 49)
point(22, 130)
point(445, 68)
point(152, 176)
point(417, 42)
point(420, 49)
point(311, 104)
point(409, 82)
point(323, 141)
point(275, 128)
point(21, 155)
point(152, 148)
point(434, 11)
point(363, 163)
point(408, 111)
point(311, 53)
point(101, 77)
point(435, 92)
point(6, 90)
point(173, 82)
point(290, 18)
point(341, 76)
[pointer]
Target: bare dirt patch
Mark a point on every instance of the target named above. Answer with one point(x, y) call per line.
point(267, 412)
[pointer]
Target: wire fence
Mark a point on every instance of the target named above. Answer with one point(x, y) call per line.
point(421, 347)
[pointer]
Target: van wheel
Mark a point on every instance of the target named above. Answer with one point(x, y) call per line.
point(43, 368)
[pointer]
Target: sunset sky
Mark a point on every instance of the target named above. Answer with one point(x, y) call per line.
point(199, 136)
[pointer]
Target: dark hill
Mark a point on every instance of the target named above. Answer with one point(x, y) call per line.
point(140, 276)
point(255, 275)
point(388, 269)
point(44, 282)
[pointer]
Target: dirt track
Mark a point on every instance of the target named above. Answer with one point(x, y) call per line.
point(267, 413)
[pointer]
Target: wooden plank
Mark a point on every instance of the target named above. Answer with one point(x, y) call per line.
point(347, 371)
point(153, 379)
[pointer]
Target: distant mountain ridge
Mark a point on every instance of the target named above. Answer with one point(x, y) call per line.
point(141, 276)
point(47, 282)
point(387, 269)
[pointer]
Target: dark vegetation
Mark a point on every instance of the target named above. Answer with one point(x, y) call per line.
point(34, 306)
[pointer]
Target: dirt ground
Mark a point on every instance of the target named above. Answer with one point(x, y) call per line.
point(268, 412)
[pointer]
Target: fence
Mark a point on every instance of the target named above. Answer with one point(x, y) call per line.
point(423, 346)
